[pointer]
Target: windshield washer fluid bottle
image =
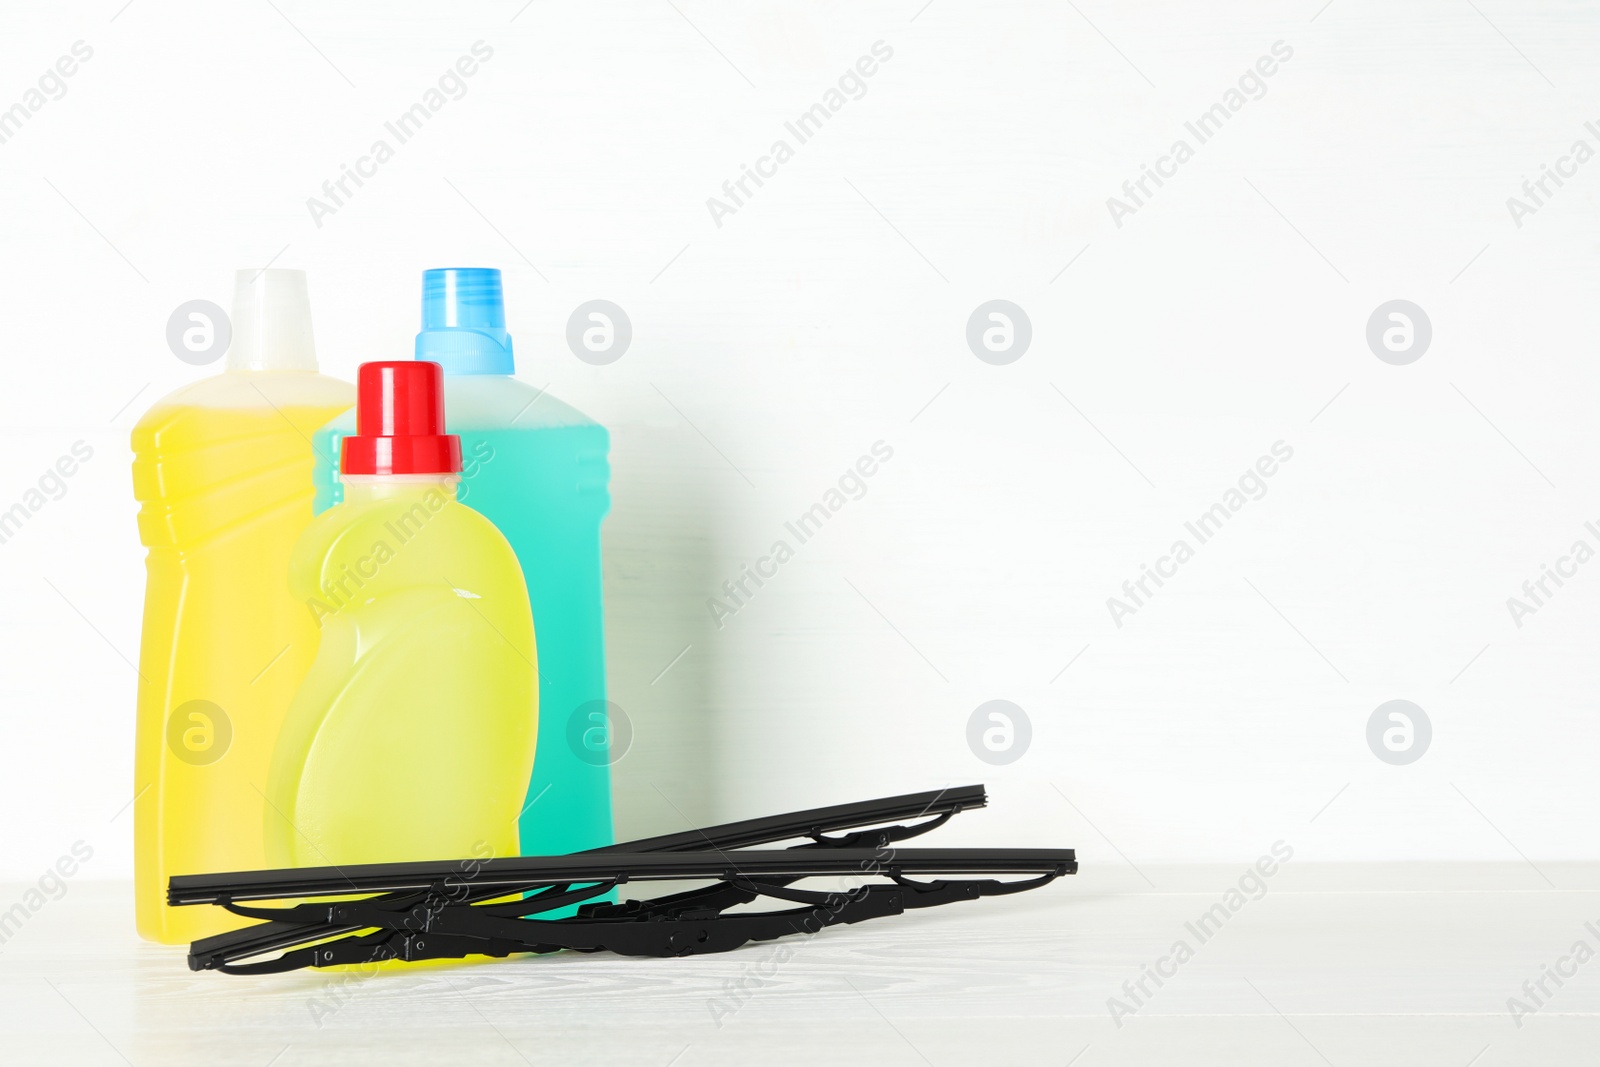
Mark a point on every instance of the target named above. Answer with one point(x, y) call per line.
point(222, 472)
point(412, 736)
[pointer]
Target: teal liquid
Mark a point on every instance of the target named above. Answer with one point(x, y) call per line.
point(545, 484)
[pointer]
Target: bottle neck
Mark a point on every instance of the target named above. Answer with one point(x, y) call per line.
point(466, 353)
point(271, 322)
point(359, 488)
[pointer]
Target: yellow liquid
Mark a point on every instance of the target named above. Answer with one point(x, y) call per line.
point(225, 492)
point(412, 737)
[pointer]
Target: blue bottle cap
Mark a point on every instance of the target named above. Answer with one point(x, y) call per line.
point(464, 321)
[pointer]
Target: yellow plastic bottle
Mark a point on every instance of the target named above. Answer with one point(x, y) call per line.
point(222, 472)
point(412, 737)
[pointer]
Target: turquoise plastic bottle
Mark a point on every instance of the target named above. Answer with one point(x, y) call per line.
point(538, 469)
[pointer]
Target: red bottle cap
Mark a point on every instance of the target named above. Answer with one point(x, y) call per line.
point(400, 422)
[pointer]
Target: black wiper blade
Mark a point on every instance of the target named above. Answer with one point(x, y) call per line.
point(522, 873)
point(814, 823)
point(934, 807)
point(450, 909)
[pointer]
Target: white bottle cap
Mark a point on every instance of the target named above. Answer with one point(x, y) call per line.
point(271, 322)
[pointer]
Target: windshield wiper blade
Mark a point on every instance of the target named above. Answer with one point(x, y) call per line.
point(935, 807)
point(523, 873)
point(495, 907)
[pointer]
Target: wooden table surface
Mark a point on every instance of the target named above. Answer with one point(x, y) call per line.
point(1370, 964)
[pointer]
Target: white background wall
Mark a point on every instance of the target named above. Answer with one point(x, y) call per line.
point(828, 313)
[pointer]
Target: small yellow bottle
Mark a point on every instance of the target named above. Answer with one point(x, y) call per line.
point(413, 735)
point(222, 472)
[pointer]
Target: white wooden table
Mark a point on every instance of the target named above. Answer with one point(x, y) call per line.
point(1358, 965)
